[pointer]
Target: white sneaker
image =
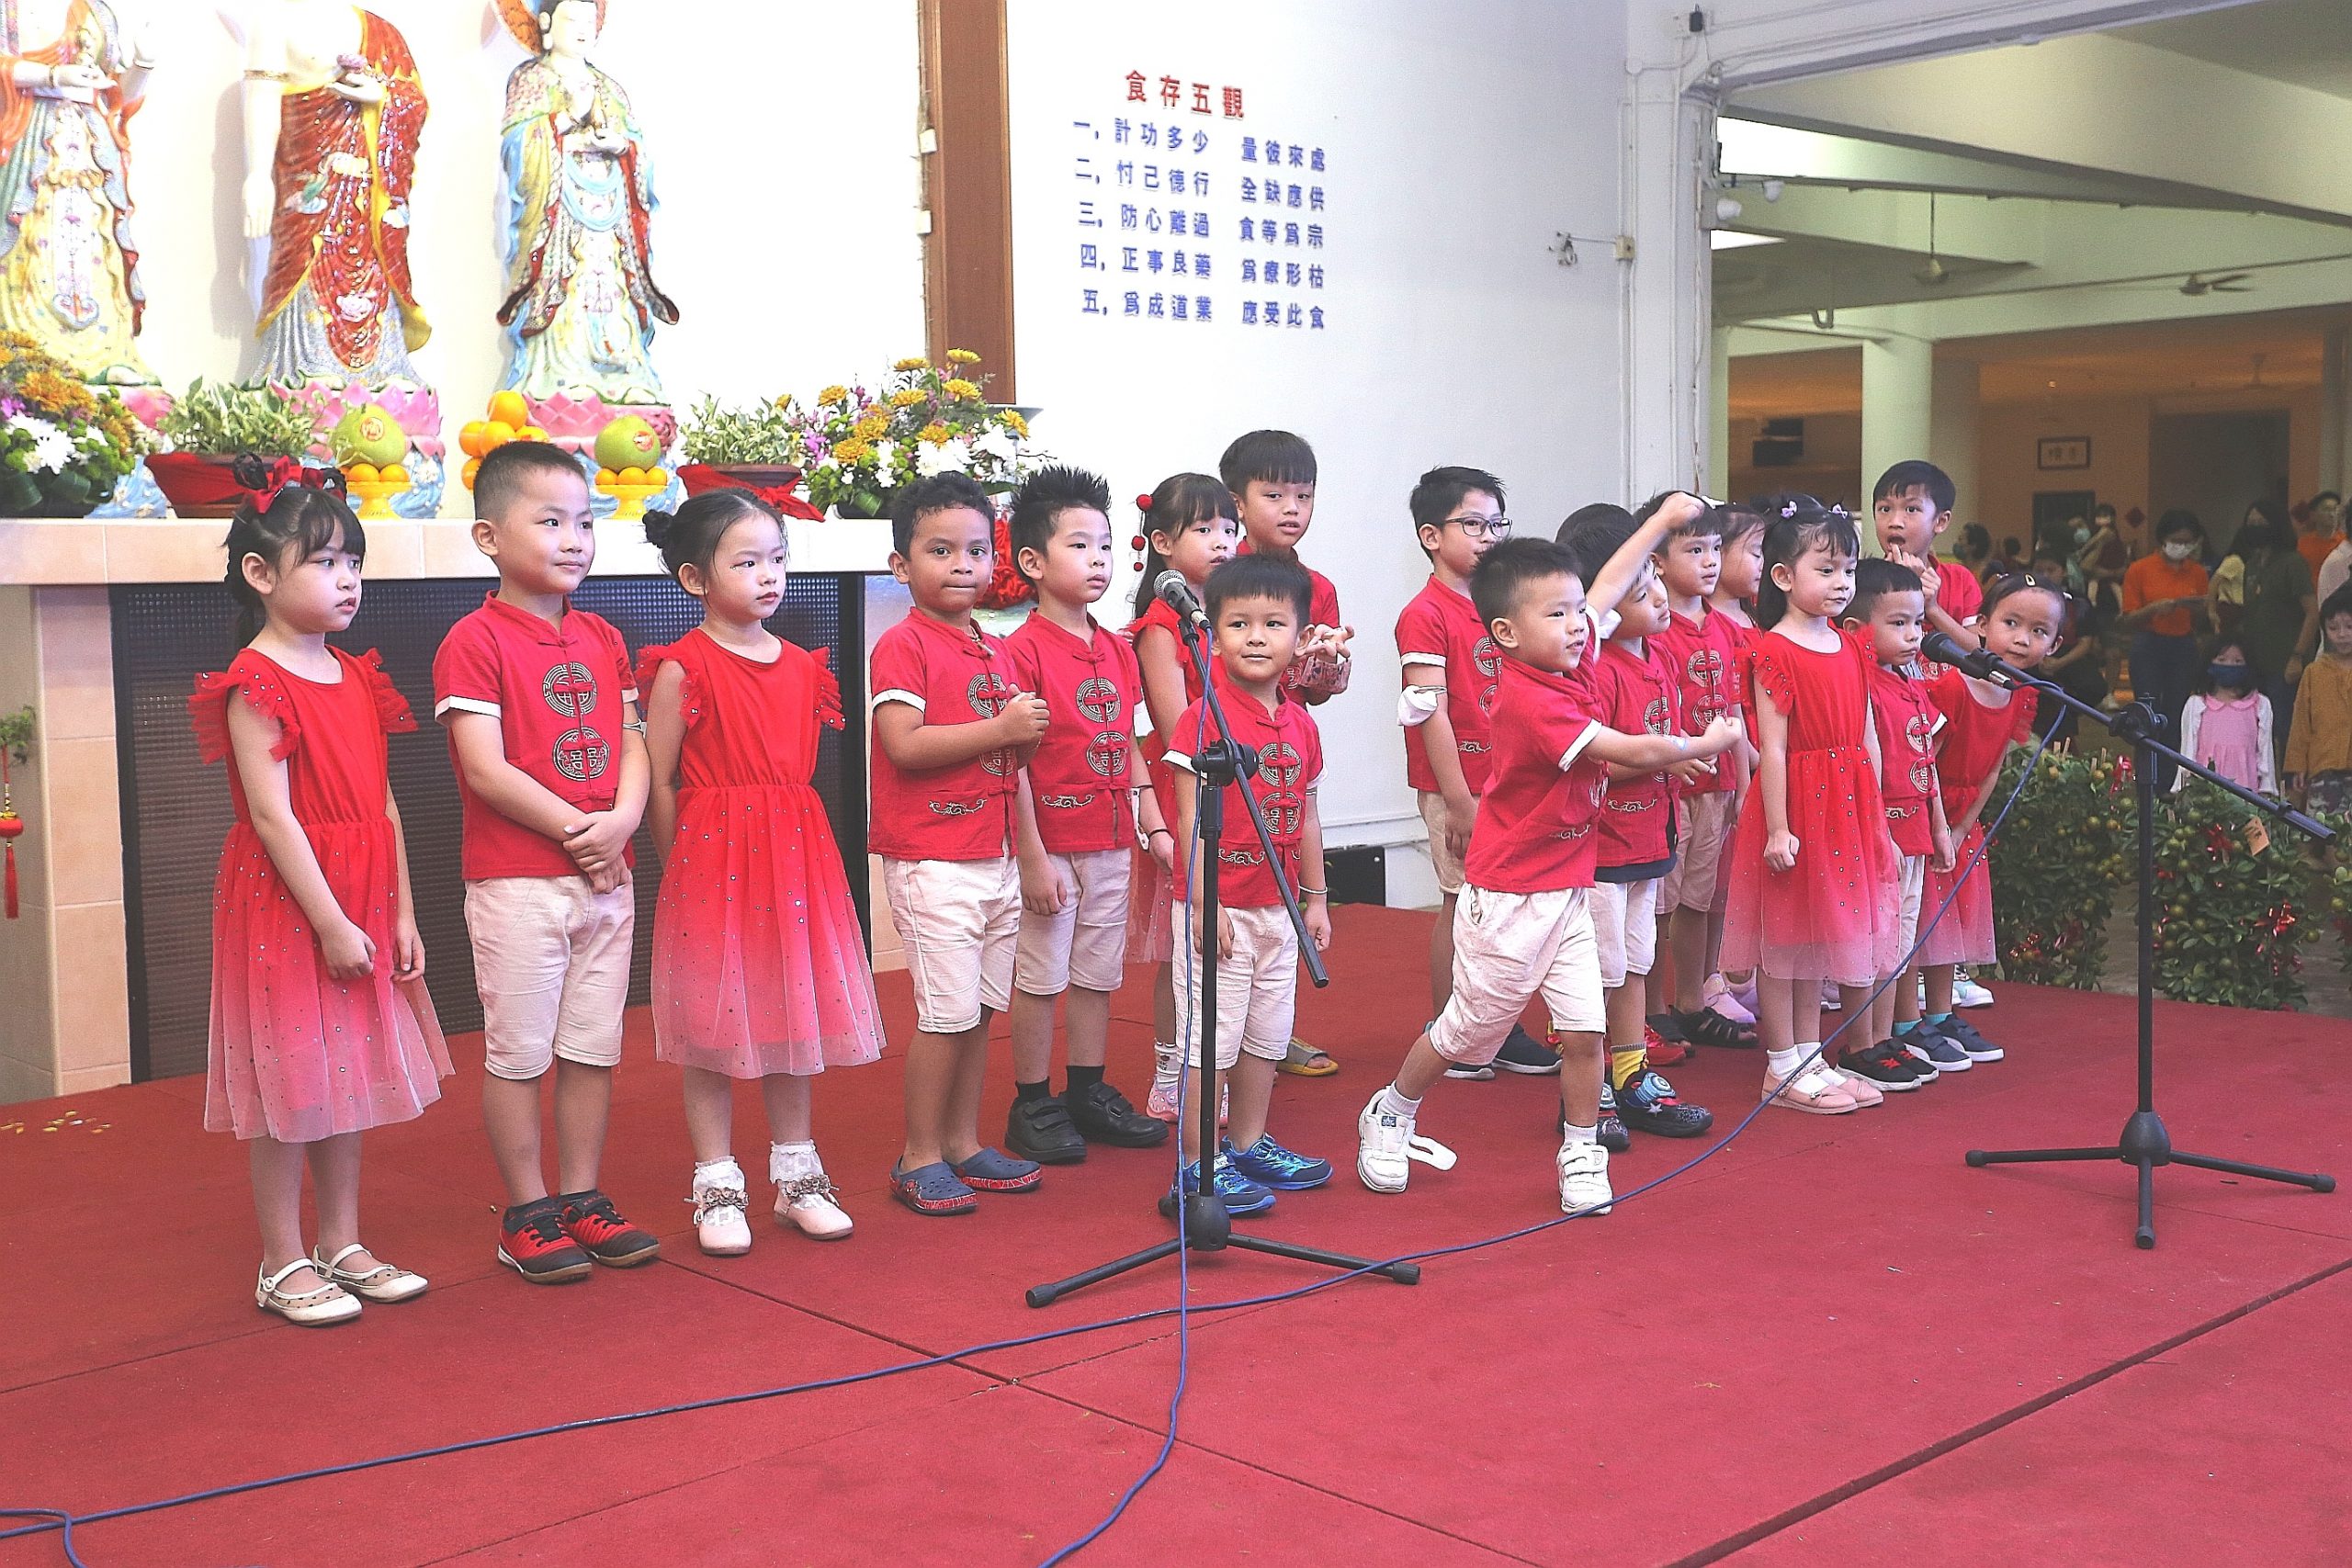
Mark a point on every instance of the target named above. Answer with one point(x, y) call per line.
point(806, 1197)
point(1584, 1179)
point(1382, 1137)
point(1967, 993)
point(720, 1227)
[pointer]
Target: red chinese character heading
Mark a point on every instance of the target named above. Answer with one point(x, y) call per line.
point(1233, 103)
point(1135, 88)
point(1172, 94)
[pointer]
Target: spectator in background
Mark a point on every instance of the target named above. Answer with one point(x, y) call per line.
point(2280, 622)
point(2073, 664)
point(1975, 549)
point(2335, 570)
point(2319, 525)
point(2009, 562)
point(2163, 596)
point(2101, 559)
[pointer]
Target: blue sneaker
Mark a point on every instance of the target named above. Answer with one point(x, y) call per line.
point(1648, 1104)
point(1268, 1164)
point(1240, 1196)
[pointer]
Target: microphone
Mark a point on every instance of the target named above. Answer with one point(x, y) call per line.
point(1975, 661)
point(1171, 589)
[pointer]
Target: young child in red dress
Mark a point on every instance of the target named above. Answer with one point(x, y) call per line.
point(1523, 924)
point(1256, 605)
point(1084, 812)
point(1814, 894)
point(1271, 475)
point(1733, 994)
point(759, 963)
point(1701, 648)
point(1887, 617)
point(1450, 671)
point(2023, 619)
point(540, 706)
point(321, 1024)
point(951, 727)
point(1634, 692)
point(1190, 526)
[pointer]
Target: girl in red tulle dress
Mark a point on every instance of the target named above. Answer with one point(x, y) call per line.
point(1190, 524)
point(321, 1024)
point(759, 962)
point(1814, 892)
point(2022, 619)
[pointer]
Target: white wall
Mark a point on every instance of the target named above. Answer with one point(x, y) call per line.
point(1461, 138)
point(782, 143)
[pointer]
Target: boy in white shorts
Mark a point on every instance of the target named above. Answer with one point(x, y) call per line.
point(1523, 924)
point(1081, 808)
point(1888, 616)
point(951, 727)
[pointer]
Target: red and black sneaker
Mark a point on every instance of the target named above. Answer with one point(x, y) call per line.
point(589, 1219)
point(1663, 1051)
point(532, 1242)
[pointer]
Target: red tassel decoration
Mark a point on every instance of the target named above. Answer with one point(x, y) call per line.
point(11, 825)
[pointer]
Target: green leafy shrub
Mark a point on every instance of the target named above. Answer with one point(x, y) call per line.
point(2061, 855)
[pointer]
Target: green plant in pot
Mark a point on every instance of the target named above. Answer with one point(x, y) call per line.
point(755, 448)
point(209, 428)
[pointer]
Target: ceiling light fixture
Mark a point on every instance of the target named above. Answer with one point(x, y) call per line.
point(1935, 274)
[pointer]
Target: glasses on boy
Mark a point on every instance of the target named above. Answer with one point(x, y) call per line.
point(1473, 526)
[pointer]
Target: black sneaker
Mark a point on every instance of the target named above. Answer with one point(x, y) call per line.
point(1926, 1045)
point(1612, 1135)
point(1103, 1115)
point(1963, 1033)
point(532, 1242)
point(1648, 1104)
point(1471, 1072)
point(1705, 1026)
point(1523, 1053)
point(589, 1219)
point(1042, 1129)
point(1886, 1065)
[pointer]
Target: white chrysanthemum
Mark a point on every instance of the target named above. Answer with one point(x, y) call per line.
point(51, 448)
point(948, 458)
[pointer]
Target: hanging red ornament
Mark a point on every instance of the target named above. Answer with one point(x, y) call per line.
point(12, 827)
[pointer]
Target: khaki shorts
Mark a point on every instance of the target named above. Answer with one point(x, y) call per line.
point(1707, 825)
point(1448, 869)
point(1508, 948)
point(551, 963)
point(1086, 943)
point(1257, 988)
point(1915, 886)
point(1624, 929)
point(959, 922)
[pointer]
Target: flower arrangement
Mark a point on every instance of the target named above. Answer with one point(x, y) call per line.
point(2230, 904)
point(228, 421)
point(63, 446)
point(855, 447)
point(2060, 860)
point(760, 435)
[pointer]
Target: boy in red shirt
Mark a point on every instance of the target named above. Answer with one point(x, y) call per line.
point(1272, 476)
point(1700, 647)
point(1634, 692)
point(951, 727)
point(1083, 806)
point(1256, 605)
point(1911, 505)
point(1524, 923)
point(1888, 616)
point(1451, 669)
point(541, 712)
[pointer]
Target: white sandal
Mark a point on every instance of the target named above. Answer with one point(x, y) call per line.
point(384, 1282)
point(312, 1309)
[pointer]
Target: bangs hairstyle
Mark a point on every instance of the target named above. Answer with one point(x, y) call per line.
point(1706, 525)
point(1181, 501)
point(1260, 576)
point(1506, 572)
point(1876, 577)
point(1038, 505)
point(1440, 491)
point(1917, 473)
point(2017, 583)
point(2338, 604)
point(690, 536)
point(1267, 456)
point(1794, 526)
point(1590, 542)
point(1582, 515)
point(498, 483)
point(941, 493)
point(300, 523)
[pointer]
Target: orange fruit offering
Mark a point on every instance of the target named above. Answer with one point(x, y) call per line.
point(473, 440)
point(497, 434)
point(392, 474)
point(473, 466)
point(510, 410)
point(529, 433)
point(631, 477)
point(360, 473)
point(659, 478)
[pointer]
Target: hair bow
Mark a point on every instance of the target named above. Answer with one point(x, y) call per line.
point(269, 480)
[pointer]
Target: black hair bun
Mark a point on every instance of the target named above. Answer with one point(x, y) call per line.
point(658, 524)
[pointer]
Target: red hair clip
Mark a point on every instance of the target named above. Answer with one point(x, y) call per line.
point(267, 482)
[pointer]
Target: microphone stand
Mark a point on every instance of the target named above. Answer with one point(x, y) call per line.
point(1204, 1225)
point(2144, 1144)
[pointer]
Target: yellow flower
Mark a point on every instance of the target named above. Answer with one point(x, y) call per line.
point(912, 364)
point(905, 398)
point(962, 357)
point(851, 452)
point(935, 434)
point(832, 395)
point(960, 388)
point(1015, 423)
point(874, 425)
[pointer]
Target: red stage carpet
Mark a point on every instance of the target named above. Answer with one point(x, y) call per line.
point(1829, 1344)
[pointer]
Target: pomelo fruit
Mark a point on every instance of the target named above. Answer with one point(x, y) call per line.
point(368, 434)
point(628, 442)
